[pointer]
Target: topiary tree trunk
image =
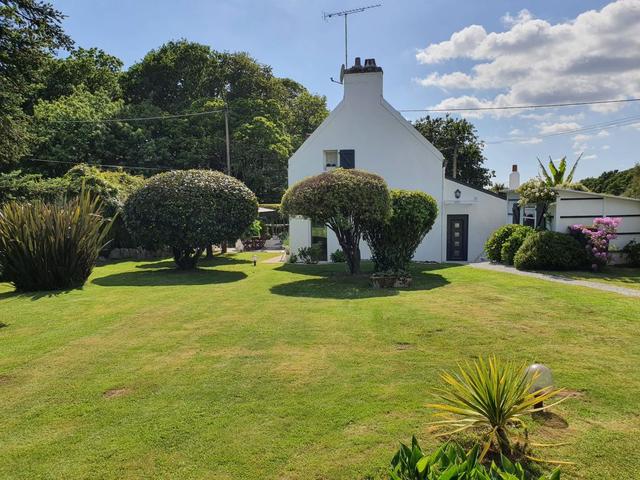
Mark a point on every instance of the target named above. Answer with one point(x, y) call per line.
point(186, 259)
point(349, 240)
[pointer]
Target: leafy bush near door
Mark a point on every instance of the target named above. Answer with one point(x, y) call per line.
point(394, 240)
point(493, 245)
point(338, 257)
point(632, 253)
point(512, 244)
point(48, 246)
point(550, 251)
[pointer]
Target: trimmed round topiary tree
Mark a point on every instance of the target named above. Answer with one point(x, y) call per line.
point(394, 240)
point(512, 244)
point(346, 200)
point(548, 250)
point(493, 245)
point(188, 210)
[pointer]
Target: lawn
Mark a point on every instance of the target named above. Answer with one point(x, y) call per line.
point(619, 276)
point(294, 372)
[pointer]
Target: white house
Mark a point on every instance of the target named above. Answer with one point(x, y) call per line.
point(367, 133)
point(577, 207)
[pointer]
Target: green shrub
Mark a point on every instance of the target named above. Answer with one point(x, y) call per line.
point(394, 240)
point(550, 251)
point(338, 257)
point(512, 244)
point(451, 462)
point(346, 200)
point(309, 255)
point(188, 210)
point(493, 245)
point(252, 230)
point(632, 252)
point(51, 246)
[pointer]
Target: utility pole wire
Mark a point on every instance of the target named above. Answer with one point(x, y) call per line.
point(522, 107)
point(137, 119)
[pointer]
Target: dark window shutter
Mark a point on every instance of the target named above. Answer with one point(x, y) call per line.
point(348, 158)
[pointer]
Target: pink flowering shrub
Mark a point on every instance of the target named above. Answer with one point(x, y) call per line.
point(596, 238)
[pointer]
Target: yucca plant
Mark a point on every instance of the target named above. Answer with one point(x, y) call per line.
point(490, 395)
point(48, 246)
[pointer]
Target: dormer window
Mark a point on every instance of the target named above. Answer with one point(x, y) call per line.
point(339, 158)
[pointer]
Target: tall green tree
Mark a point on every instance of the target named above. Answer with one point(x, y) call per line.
point(457, 140)
point(30, 31)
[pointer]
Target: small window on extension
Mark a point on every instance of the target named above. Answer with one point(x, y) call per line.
point(330, 159)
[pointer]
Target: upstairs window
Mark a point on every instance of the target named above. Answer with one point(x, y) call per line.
point(339, 158)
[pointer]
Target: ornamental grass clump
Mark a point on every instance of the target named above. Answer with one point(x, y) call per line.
point(491, 396)
point(49, 246)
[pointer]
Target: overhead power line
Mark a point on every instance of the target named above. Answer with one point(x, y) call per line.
point(138, 119)
point(523, 107)
point(102, 165)
point(621, 122)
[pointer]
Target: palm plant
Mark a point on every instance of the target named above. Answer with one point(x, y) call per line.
point(492, 395)
point(555, 176)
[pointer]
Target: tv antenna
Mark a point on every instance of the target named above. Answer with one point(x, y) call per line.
point(345, 14)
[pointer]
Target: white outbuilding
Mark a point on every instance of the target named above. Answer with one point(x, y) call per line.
point(367, 133)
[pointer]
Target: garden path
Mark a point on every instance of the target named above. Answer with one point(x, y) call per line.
point(629, 292)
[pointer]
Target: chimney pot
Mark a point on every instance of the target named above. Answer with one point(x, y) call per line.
point(514, 168)
point(358, 64)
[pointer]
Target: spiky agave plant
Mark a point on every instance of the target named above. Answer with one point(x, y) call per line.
point(493, 395)
point(48, 246)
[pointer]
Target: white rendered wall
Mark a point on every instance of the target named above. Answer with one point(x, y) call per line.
point(570, 212)
point(486, 213)
point(384, 143)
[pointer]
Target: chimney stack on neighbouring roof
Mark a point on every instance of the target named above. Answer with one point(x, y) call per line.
point(514, 178)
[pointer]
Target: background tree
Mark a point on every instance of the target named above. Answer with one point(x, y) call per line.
point(458, 141)
point(187, 210)
point(394, 240)
point(30, 32)
point(616, 182)
point(346, 201)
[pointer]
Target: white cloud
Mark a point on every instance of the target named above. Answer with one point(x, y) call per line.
point(602, 134)
point(550, 128)
point(606, 147)
point(592, 156)
point(580, 142)
point(531, 141)
point(595, 56)
point(522, 17)
point(515, 132)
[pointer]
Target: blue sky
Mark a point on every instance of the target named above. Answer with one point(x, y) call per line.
point(434, 53)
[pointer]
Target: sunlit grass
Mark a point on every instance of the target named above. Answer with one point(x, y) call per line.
point(298, 372)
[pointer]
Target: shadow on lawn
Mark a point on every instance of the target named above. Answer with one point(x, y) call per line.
point(340, 285)
point(168, 277)
point(215, 261)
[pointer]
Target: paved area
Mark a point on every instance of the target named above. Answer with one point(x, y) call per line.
point(277, 259)
point(629, 292)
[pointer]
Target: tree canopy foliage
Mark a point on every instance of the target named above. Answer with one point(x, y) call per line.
point(53, 107)
point(616, 182)
point(347, 200)
point(457, 138)
point(188, 210)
